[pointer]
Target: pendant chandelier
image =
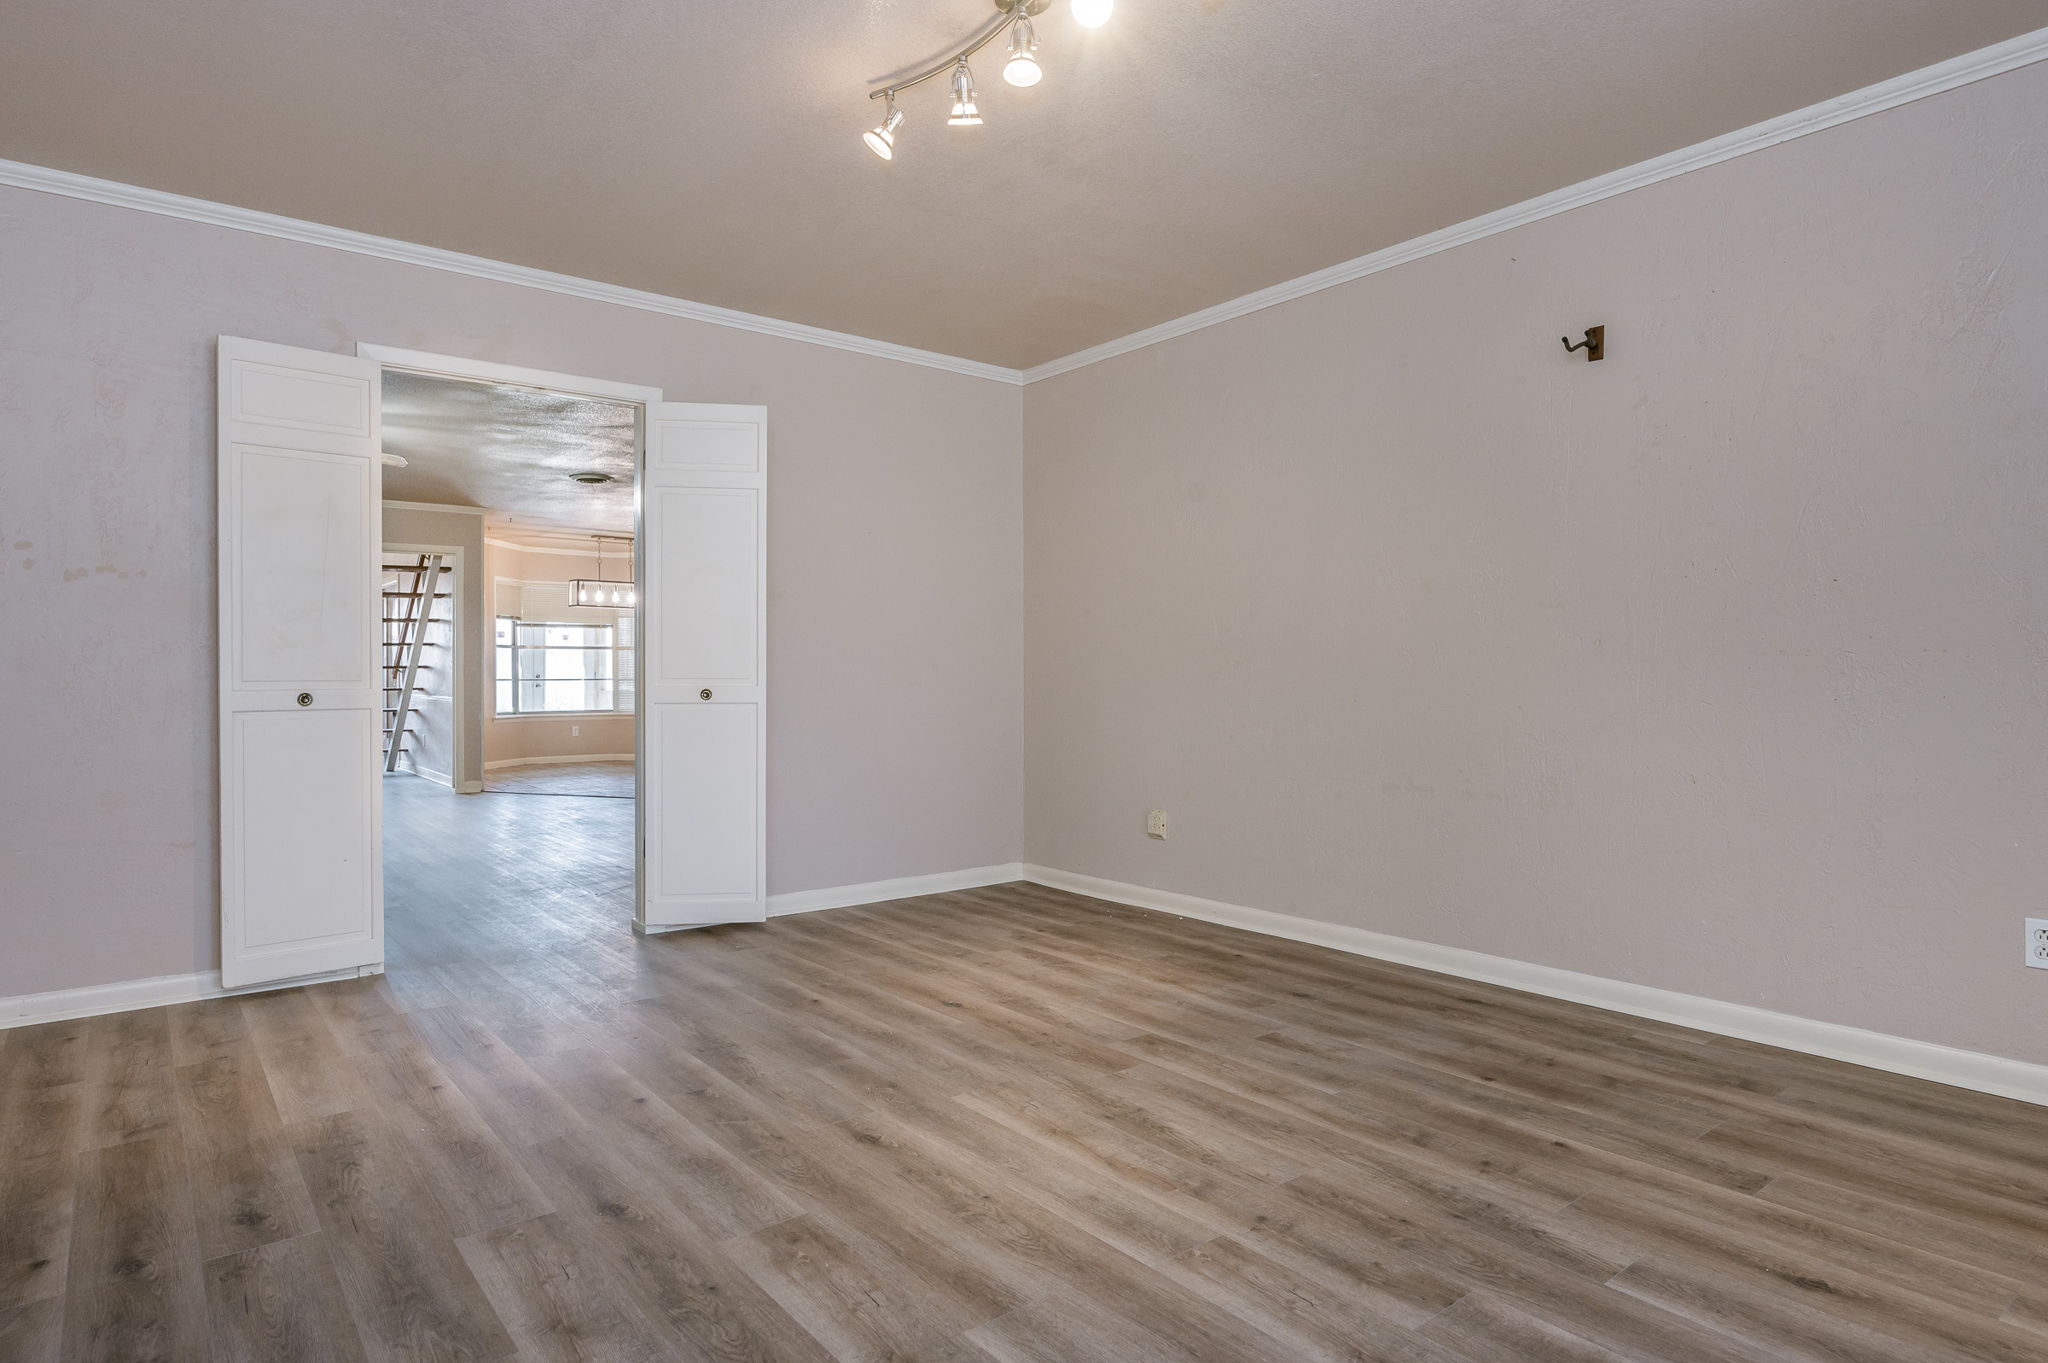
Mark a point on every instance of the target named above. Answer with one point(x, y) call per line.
point(1020, 67)
point(600, 590)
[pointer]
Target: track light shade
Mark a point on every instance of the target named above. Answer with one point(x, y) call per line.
point(881, 138)
point(1023, 68)
point(964, 115)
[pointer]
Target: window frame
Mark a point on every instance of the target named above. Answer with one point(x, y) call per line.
point(613, 646)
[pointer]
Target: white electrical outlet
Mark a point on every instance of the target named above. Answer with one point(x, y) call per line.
point(575, 731)
point(1155, 823)
point(2037, 943)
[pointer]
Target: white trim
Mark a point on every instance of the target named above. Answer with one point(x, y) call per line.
point(904, 887)
point(542, 549)
point(871, 892)
point(1872, 99)
point(1997, 59)
point(390, 505)
point(439, 778)
point(25, 1010)
point(45, 180)
point(459, 367)
point(1836, 1041)
point(504, 762)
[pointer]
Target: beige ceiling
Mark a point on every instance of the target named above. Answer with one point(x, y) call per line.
point(510, 450)
point(1189, 152)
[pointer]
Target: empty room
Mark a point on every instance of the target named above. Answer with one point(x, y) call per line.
point(1024, 681)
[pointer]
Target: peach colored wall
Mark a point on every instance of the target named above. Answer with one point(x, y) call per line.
point(1720, 665)
point(894, 567)
point(528, 736)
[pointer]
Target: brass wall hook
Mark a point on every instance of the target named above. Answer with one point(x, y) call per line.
point(1595, 344)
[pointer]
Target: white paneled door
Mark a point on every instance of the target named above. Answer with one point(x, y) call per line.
point(703, 655)
point(301, 866)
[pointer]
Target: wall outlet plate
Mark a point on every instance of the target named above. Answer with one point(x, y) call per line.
point(2037, 943)
point(1155, 823)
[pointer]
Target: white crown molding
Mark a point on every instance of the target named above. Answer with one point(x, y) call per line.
point(559, 549)
point(1836, 1041)
point(45, 180)
point(1997, 59)
point(390, 505)
point(2010, 55)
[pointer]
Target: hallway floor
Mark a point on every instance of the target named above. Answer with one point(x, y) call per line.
point(611, 780)
point(485, 877)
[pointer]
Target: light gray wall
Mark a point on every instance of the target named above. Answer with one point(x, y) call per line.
point(1718, 666)
point(894, 567)
point(461, 530)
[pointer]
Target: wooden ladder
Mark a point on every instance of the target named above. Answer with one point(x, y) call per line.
point(407, 609)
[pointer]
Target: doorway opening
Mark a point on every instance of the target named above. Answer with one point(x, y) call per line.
point(304, 525)
point(509, 652)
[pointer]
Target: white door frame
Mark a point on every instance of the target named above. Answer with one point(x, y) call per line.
point(458, 656)
point(459, 367)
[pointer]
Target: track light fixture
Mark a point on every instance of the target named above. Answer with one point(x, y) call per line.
point(881, 138)
point(964, 115)
point(1023, 68)
point(1019, 68)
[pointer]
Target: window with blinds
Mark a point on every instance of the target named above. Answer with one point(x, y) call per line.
point(558, 658)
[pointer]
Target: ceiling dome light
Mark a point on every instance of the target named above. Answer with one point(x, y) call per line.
point(1092, 13)
point(881, 138)
point(964, 115)
point(1023, 68)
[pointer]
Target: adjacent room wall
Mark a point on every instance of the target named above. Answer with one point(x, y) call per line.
point(894, 566)
point(465, 531)
point(525, 739)
point(1719, 666)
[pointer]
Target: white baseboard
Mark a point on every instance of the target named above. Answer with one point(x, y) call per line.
point(439, 778)
point(906, 887)
point(505, 762)
point(60, 1004)
point(57, 1005)
point(1836, 1041)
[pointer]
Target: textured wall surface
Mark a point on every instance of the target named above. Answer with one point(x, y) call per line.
point(894, 563)
point(459, 530)
point(1720, 665)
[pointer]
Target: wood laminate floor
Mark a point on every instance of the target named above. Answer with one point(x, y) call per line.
point(1009, 1124)
point(611, 780)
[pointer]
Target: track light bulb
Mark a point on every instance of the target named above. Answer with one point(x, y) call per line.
point(1023, 68)
point(1092, 13)
point(881, 138)
point(964, 115)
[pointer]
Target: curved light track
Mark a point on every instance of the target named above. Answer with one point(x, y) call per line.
point(1020, 68)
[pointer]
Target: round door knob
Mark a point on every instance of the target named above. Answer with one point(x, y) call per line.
point(705, 694)
point(305, 697)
